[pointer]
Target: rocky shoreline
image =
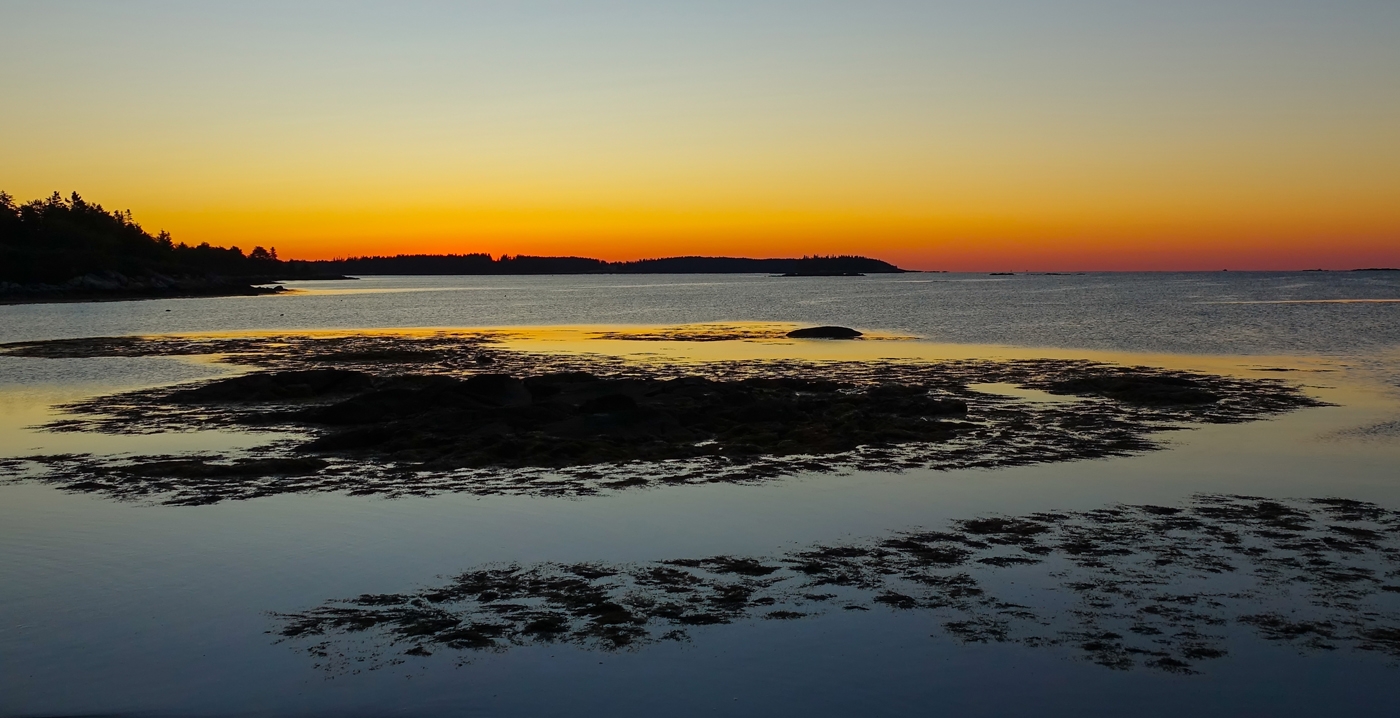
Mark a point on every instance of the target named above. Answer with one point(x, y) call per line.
point(114, 286)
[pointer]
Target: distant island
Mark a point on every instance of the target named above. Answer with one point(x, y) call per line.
point(524, 264)
point(69, 249)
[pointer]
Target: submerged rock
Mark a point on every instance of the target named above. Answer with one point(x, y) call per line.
point(827, 332)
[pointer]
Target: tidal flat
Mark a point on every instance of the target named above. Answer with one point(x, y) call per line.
point(399, 415)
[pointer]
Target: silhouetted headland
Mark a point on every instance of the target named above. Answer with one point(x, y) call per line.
point(58, 249)
point(69, 249)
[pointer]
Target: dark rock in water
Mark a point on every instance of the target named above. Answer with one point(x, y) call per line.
point(824, 333)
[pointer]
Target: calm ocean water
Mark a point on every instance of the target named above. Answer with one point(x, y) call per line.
point(109, 607)
point(1189, 313)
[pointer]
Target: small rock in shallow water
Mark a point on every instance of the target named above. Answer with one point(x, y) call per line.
point(824, 333)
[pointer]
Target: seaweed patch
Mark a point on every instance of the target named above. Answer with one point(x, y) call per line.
point(402, 415)
point(1124, 587)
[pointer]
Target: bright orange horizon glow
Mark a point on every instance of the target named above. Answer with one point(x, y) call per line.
point(1285, 241)
point(1049, 137)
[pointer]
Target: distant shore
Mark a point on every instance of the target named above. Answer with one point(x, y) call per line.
point(71, 296)
point(485, 264)
point(67, 249)
point(116, 287)
point(110, 285)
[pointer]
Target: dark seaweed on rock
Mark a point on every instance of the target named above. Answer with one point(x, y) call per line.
point(400, 415)
point(559, 420)
point(276, 386)
point(1137, 389)
point(1158, 587)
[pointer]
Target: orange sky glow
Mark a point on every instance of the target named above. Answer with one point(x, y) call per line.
point(1248, 135)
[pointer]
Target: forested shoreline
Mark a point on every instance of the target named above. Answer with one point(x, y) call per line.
point(525, 264)
point(56, 240)
point(70, 249)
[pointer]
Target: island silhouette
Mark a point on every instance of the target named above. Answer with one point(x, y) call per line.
point(69, 249)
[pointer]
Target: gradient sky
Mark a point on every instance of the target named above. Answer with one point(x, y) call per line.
point(989, 135)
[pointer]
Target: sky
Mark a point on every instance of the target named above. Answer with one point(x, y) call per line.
point(992, 135)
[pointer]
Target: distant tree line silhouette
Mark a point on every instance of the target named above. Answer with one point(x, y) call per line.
point(525, 264)
point(57, 239)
